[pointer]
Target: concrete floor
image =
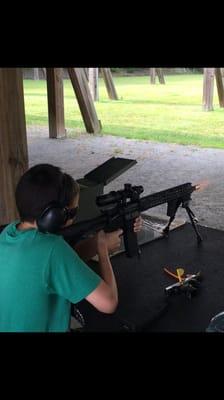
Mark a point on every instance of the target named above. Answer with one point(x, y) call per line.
point(159, 166)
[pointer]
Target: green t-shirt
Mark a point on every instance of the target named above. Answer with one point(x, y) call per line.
point(40, 276)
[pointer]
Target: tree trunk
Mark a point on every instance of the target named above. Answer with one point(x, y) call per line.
point(159, 72)
point(36, 76)
point(152, 72)
point(220, 87)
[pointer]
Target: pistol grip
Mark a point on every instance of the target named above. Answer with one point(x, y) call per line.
point(130, 239)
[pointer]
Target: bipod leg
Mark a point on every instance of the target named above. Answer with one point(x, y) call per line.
point(193, 219)
point(167, 228)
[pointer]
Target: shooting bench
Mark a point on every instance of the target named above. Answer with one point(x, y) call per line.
point(143, 305)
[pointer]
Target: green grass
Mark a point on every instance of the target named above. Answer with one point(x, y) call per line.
point(169, 113)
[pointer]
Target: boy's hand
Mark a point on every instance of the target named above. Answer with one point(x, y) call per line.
point(113, 240)
point(138, 224)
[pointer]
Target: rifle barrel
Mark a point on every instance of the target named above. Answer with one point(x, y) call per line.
point(156, 199)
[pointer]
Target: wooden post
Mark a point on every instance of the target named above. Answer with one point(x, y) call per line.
point(108, 79)
point(85, 101)
point(86, 70)
point(13, 141)
point(159, 72)
point(36, 74)
point(55, 95)
point(222, 72)
point(93, 83)
point(152, 73)
point(220, 87)
point(208, 89)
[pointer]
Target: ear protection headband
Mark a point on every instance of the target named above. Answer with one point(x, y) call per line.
point(55, 214)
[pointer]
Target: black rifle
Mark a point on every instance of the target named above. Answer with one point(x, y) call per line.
point(121, 208)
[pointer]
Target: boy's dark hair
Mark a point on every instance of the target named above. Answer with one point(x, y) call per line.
point(39, 186)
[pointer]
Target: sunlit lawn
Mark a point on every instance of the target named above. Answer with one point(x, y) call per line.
point(163, 113)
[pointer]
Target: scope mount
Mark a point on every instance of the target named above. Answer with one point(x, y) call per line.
point(129, 192)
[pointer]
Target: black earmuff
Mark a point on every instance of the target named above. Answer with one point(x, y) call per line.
point(52, 218)
point(56, 213)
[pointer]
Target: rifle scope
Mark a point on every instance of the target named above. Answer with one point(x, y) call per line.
point(129, 192)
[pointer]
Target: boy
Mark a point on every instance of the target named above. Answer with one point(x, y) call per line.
point(40, 274)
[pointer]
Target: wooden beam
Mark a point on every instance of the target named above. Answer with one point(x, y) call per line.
point(13, 141)
point(93, 83)
point(152, 73)
point(222, 72)
point(86, 70)
point(220, 87)
point(55, 95)
point(84, 98)
point(108, 79)
point(208, 89)
point(160, 74)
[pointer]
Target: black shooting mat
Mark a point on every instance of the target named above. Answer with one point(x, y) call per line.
point(143, 305)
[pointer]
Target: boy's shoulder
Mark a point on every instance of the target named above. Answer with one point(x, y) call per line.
point(52, 238)
point(58, 247)
point(11, 232)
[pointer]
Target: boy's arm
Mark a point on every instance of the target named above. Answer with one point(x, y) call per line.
point(105, 297)
point(87, 248)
